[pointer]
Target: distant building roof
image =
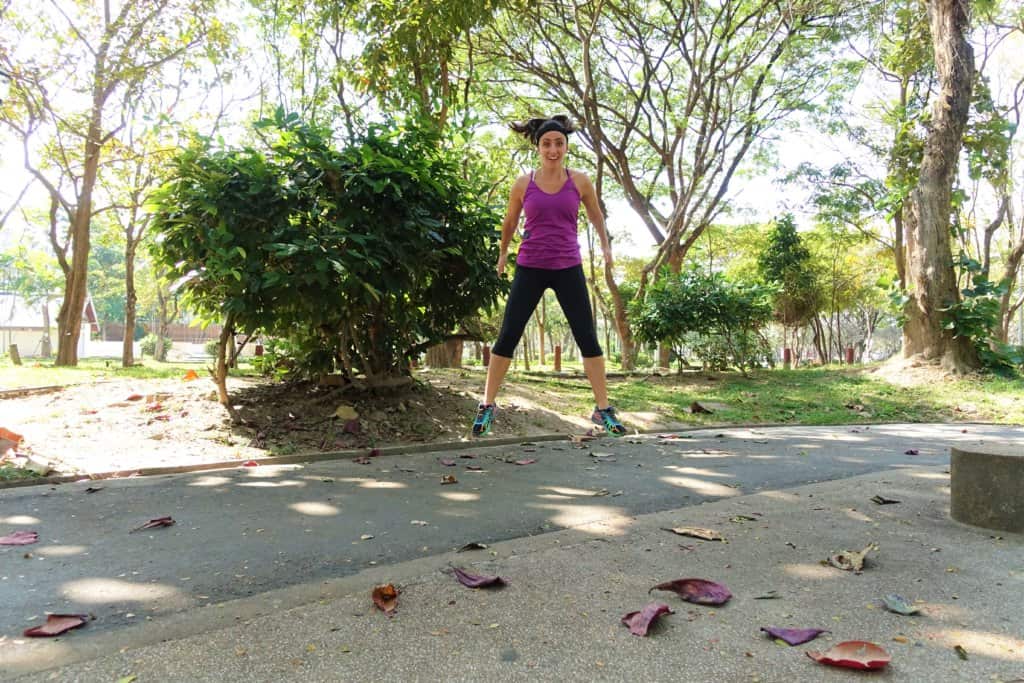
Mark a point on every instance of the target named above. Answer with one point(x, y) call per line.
point(15, 312)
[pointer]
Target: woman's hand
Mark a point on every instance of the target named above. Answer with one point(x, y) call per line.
point(502, 262)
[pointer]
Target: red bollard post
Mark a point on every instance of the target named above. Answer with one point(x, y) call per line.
point(487, 355)
point(787, 358)
point(558, 358)
point(849, 355)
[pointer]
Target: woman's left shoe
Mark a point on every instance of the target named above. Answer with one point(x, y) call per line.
point(606, 418)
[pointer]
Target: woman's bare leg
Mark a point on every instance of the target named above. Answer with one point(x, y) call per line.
point(595, 371)
point(496, 371)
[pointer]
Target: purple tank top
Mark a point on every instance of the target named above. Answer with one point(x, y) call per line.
point(549, 234)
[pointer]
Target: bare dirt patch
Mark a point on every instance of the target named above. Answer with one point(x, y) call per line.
point(128, 425)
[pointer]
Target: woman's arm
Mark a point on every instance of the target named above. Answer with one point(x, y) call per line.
point(589, 198)
point(511, 222)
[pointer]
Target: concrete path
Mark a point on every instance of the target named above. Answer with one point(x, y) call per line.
point(293, 540)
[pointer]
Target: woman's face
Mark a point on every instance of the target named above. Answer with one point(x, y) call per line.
point(552, 146)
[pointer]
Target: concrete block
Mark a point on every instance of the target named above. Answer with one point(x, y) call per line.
point(987, 486)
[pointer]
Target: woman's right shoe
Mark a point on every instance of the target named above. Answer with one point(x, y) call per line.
point(484, 419)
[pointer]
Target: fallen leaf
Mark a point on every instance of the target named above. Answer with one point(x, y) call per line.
point(473, 546)
point(696, 408)
point(911, 451)
point(474, 468)
point(374, 452)
point(448, 479)
point(419, 522)
point(477, 580)
point(447, 463)
point(385, 597)
point(681, 436)
point(56, 624)
point(739, 519)
point(250, 463)
point(351, 427)
point(699, 591)
point(853, 654)
point(794, 636)
point(696, 532)
point(961, 652)
point(154, 407)
point(468, 456)
point(190, 376)
point(131, 678)
point(580, 438)
point(526, 461)
point(346, 412)
point(94, 489)
point(899, 605)
point(601, 456)
point(639, 622)
point(366, 537)
point(849, 560)
point(20, 538)
point(880, 500)
point(154, 523)
point(770, 595)
point(361, 461)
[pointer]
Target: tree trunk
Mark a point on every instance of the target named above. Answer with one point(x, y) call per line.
point(47, 344)
point(69, 319)
point(130, 300)
point(930, 276)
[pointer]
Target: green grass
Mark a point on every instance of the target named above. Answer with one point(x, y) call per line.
point(9, 473)
point(34, 373)
point(811, 396)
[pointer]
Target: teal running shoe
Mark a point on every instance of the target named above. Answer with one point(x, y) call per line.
point(608, 420)
point(484, 419)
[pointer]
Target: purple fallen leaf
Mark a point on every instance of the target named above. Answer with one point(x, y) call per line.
point(477, 580)
point(911, 451)
point(640, 622)
point(447, 462)
point(20, 538)
point(154, 523)
point(699, 591)
point(794, 636)
point(526, 461)
point(853, 654)
point(56, 624)
point(351, 427)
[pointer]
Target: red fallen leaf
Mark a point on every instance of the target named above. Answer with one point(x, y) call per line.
point(56, 624)
point(446, 462)
point(911, 451)
point(794, 636)
point(640, 622)
point(477, 580)
point(250, 463)
point(699, 591)
point(154, 407)
point(155, 523)
point(361, 461)
point(374, 452)
point(190, 375)
point(527, 461)
point(853, 654)
point(135, 397)
point(20, 538)
point(385, 597)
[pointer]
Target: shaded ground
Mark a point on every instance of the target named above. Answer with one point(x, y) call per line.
point(124, 425)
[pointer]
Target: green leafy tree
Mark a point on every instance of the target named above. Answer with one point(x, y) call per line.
point(360, 257)
point(73, 68)
point(786, 262)
point(721, 321)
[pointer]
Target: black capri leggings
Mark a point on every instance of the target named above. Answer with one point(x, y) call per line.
point(528, 287)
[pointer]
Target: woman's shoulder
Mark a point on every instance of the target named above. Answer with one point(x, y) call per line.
point(581, 179)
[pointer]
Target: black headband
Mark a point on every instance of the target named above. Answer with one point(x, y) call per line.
point(547, 127)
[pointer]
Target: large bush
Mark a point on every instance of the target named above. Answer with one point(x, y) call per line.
point(360, 257)
point(719, 321)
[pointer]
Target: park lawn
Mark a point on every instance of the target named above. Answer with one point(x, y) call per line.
point(808, 396)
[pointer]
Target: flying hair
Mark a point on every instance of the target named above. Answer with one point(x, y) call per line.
point(533, 129)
